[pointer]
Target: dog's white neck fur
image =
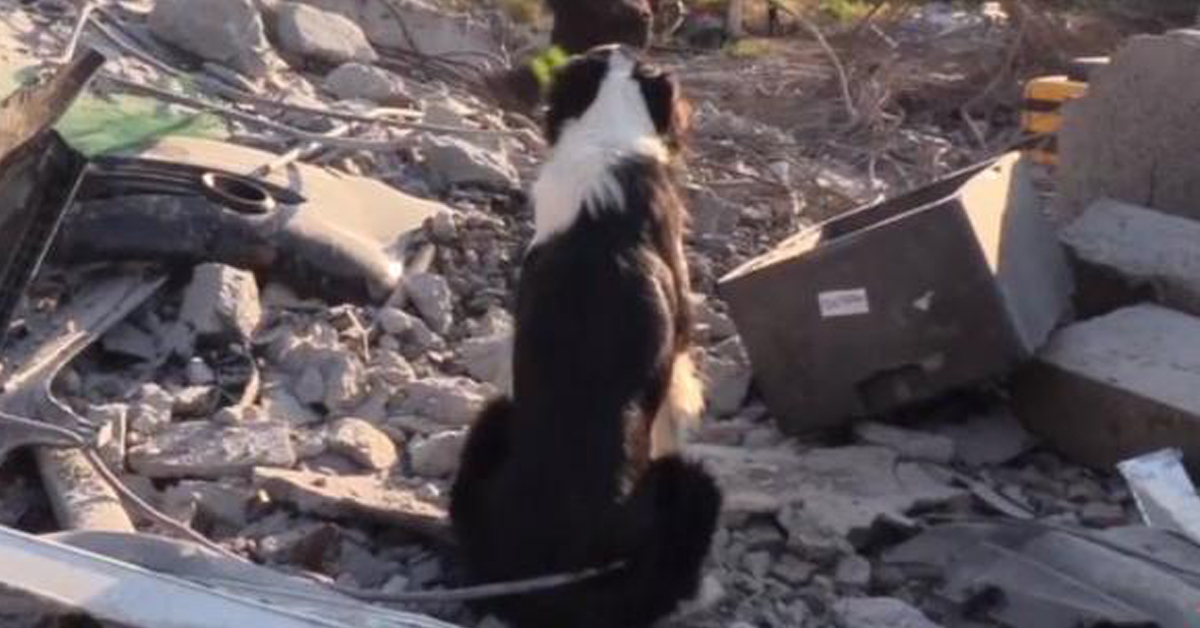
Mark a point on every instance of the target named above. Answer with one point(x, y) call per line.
point(579, 171)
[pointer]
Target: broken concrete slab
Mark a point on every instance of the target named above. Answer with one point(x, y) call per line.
point(354, 497)
point(363, 443)
point(199, 449)
point(950, 285)
point(1125, 254)
point(1117, 386)
point(222, 302)
point(909, 444)
point(1134, 136)
point(879, 612)
point(842, 491)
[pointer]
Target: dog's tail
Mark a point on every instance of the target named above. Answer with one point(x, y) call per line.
point(673, 509)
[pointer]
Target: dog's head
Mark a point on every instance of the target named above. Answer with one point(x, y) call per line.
point(612, 96)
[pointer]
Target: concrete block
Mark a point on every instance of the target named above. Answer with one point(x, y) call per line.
point(1135, 135)
point(1116, 386)
point(899, 302)
point(1124, 254)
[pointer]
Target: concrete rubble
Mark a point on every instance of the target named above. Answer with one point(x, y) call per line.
point(319, 433)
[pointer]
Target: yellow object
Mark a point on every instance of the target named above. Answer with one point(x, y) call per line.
point(1041, 112)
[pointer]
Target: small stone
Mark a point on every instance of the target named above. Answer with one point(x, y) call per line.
point(195, 401)
point(311, 33)
point(442, 227)
point(366, 498)
point(277, 404)
point(394, 321)
point(309, 388)
point(455, 161)
point(363, 443)
point(225, 31)
point(712, 324)
point(433, 299)
point(391, 368)
point(425, 572)
point(238, 415)
point(221, 301)
point(359, 81)
point(452, 401)
point(110, 438)
point(1102, 515)
point(363, 566)
point(878, 613)
point(203, 450)
point(438, 455)
point(727, 375)
point(221, 503)
point(396, 584)
point(711, 594)
point(308, 443)
point(198, 373)
point(757, 563)
point(152, 410)
point(344, 382)
point(793, 571)
point(853, 571)
point(489, 358)
point(711, 214)
point(909, 444)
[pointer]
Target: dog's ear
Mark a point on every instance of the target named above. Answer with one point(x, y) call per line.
point(668, 108)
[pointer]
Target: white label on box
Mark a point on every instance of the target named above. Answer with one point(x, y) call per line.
point(836, 303)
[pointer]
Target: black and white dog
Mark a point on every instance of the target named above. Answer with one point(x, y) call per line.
point(579, 468)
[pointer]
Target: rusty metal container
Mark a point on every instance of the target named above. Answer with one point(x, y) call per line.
point(949, 285)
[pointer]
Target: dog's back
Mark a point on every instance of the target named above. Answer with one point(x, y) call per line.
point(560, 478)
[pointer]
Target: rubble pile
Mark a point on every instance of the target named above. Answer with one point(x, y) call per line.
point(320, 435)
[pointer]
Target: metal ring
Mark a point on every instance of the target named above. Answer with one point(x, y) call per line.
point(237, 193)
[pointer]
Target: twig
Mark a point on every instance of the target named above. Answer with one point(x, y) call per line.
point(85, 14)
point(483, 591)
point(150, 512)
point(843, 79)
point(296, 153)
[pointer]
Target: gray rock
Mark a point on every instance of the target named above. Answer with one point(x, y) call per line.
point(1102, 515)
point(792, 571)
point(452, 401)
point(727, 377)
point(277, 404)
point(350, 497)
point(442, 227)
point(345, 381)
point(229, 32)
point(365, 567)
point(757, 563)
point(309, 387)
point(395, 321)
point(198, 373)
point(711, 214)
point(909, 444)
point(712, 324)
point(195, 401)
point(310, 33)
point(455, 161)
point(433, 299)
point(203, 450)
point(363, 443)
point(988, 439)
point(878, 612)
point(152, 410)
point(359, 81)
point(219, 502)
point(853, 571)
point(489, 358)
point(221, 301)
point(391, 368)
point(761, 437)
point(437, 456)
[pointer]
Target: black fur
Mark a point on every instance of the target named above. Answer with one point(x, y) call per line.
point(580, 25)
point(558, 478)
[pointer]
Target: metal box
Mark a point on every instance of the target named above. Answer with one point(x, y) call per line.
point(902, 301)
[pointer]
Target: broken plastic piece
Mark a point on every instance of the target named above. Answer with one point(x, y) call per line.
point(1164, 492)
